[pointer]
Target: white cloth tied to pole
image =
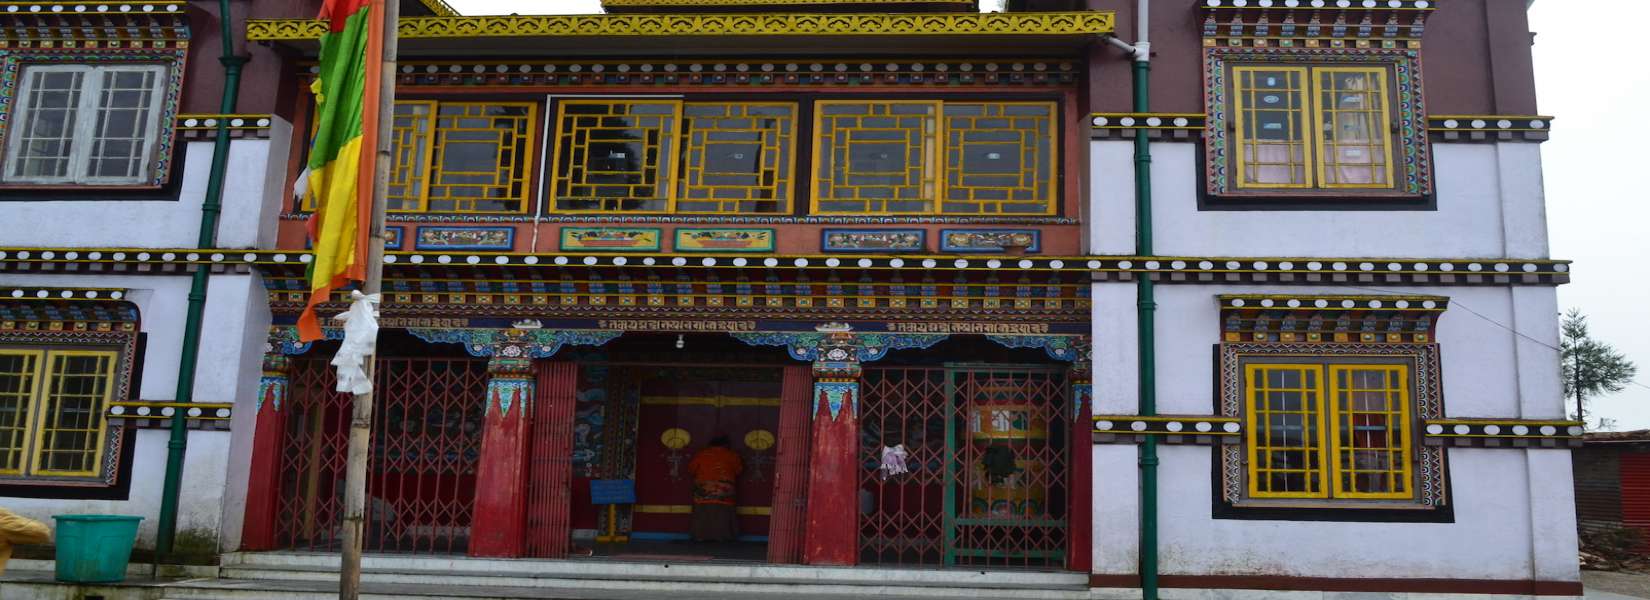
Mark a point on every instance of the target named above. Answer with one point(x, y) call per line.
point(360, 341)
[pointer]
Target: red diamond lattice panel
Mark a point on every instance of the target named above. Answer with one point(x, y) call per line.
point(988, 461)
point(427, 424)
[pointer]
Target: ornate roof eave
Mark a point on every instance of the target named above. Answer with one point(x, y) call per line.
point(1167, 269)
point(617, 6)
point(581, 29)
point(93, 24)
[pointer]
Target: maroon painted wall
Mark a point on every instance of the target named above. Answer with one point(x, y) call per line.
point(1475, 58)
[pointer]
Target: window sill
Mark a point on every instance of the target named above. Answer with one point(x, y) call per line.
point(1316, 200)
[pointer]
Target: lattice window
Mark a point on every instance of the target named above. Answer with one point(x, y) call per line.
point(1328, 430)
point(1000, 158)
point(616, 155)
point(876, 157)
point(84, 124)
point(737, 158)
point(52, 404)
point(1311, 127)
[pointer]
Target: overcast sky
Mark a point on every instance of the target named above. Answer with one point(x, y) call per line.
point(1591, 77)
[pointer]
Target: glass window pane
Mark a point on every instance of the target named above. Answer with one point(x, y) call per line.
point(1371, 438)
point(1284, 436)
point(1271, 117)
point(1353, 128)
point(613, 156)
point(124, 117)
point(479, 158)
point(876, 157)
point(17, 391)
point(999, 158)
point(42, 142)
point(71, 422)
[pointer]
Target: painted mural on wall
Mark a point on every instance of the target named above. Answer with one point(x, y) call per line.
point(873, 240)
point(589, 419)
point(610, 239)
point(465, 238)
point(721, 239)
point(990, 240)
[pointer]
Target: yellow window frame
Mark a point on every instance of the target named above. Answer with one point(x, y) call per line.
point(27, 399)
point(1302, 137)
point(1050, 203)
point(1382, 135)
point(1255, 373)
point(48, 401)
point(668, 161)
point(430, 118)
point(419, 173)
point(785, 183)
point(1310, 136)
point(1399, 478)
point(937, 172)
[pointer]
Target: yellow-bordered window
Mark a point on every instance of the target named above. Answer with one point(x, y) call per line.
point(615, 156)
point(460, 157)
point(1339, 430)
point(737, 158)
point(924, 157)
point(1317, 127)
point(52, 406)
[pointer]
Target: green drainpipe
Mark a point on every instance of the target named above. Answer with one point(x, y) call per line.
point(210, 209)
point(1147, 334)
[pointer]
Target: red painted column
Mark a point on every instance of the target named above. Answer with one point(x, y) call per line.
point(831, 534)
point(1080, 513)
point(263, 486)
point(499, 524)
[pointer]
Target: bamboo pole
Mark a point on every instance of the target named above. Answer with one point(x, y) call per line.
point(360, 427)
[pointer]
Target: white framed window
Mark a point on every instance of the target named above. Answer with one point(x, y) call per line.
point(85, 124)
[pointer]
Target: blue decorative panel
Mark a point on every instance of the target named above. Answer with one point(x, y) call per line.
point(465, 238)
point(873, 240)
point(990, 240)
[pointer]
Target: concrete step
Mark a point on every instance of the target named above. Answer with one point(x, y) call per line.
point(231, 589)
point(716, 580)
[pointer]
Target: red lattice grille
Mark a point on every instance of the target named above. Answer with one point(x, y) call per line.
point(427, 423)
point(988, 460)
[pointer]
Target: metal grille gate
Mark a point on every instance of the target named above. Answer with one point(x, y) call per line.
point(427, 424)
point(550, 472)
point(988, 455)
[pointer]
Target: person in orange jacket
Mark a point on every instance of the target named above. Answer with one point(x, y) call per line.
point(19, 530)
point(715, 474)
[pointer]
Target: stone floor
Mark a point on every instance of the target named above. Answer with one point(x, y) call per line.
point(1616, 585)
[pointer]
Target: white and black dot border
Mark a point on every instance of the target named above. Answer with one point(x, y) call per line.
point(1308, 302)
point(158, 415)
point(1502, 433)
point(204, 127)
point(1162, 126)
point(1177, 429)
point(58, 294)
point(1489, 128)
point(1102, 268)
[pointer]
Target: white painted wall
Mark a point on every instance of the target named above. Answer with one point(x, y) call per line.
point(161, 223)
point(232, 337)
point(1490, 205)
point(1513, 508)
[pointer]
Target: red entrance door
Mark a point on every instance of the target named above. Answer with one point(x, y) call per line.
point(681, 410)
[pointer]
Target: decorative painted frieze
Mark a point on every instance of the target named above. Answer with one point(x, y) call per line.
point(528, 342)
point(1306, 318)
point(873, 240)
point(991, 241)
point(725, 239)
point(1502, 433)
point(95, 24)
point(1174, 429)
point(462, 238)
point(1489, 128)
point(610, 239)
point(756, 24)
point(1316, 23)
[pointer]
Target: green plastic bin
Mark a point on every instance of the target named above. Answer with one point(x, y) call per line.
point(94, 548)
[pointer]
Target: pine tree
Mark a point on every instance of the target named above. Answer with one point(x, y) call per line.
point(1590, 367)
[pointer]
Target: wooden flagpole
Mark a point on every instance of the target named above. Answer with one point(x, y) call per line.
point(360, 427)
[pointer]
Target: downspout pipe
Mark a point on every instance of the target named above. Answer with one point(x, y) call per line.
point(189, 358)
point(1146, 298)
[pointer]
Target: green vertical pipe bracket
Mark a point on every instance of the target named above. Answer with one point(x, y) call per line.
point(1146, 312)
